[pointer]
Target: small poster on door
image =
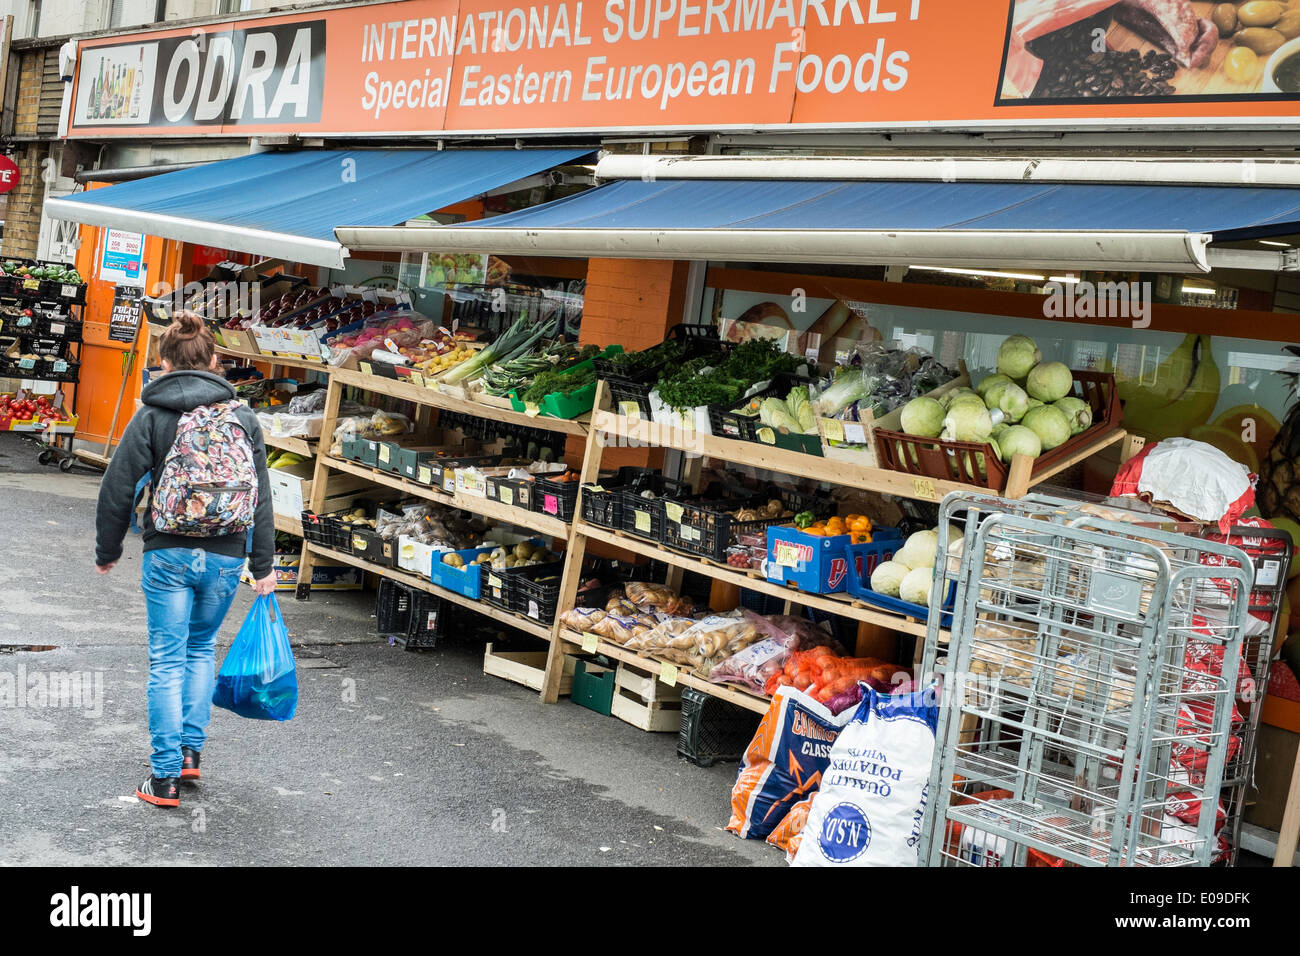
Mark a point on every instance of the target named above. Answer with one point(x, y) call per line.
point(128, 302)
point(122, 261)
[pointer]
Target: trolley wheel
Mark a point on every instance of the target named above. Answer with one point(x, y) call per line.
point(45, 457)
point(66, 464)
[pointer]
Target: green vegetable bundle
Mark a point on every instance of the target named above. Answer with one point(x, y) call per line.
point(715, 380)
point(566, 383)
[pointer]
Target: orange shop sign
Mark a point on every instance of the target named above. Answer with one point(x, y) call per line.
point(483, 66)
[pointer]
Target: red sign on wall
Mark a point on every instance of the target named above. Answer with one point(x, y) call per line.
point(9, 176)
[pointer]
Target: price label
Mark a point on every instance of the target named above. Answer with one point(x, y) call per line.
point(531, 409)
point(642, 519)
point(426, 475)
point(630, 409)
point(590, 643)
point(854, 433)
point(385, 453)
point(494, 581)
point(690, 534)
point(551, 504)
point(69, 291)
point(787, 554)
point(365, 368)
point(506, 495)
point(674, 512)
point(57, 328)
point(533, 612)
point(668, 673)
point(24, 321)
point(449, 482)
point(296, 337)
point(833, 429)
point(1268, 573)
point(358, 544)
point(60, 366)
point(767, 436)
point(26, 363)
point(923, 488)
point(599, 489)
point(418, 379)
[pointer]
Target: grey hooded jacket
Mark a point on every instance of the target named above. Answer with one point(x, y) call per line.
point(144, 447)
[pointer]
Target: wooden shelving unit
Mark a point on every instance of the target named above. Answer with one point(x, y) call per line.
point(602, 429)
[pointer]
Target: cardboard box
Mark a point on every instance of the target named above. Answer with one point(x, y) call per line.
point(817, 564)
point(291, 489)
point(416, 556)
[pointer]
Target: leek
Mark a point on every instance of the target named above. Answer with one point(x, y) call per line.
point(511, 343)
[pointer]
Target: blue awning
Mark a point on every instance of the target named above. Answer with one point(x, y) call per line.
point(1046, 225)
point(286, 204)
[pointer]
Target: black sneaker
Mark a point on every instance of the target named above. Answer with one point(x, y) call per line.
point(160, 791)
point(189, 763)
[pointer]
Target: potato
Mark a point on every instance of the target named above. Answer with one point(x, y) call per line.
point(523, 550)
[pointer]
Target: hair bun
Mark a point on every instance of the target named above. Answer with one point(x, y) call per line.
point(187, 323)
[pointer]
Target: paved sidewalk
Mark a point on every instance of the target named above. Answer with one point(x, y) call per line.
point(393, 758)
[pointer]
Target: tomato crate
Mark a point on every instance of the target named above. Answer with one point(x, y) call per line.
point(559, 499)
point(816, 564)
point(973, 463)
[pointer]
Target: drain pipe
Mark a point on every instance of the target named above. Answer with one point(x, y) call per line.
point(128, 173)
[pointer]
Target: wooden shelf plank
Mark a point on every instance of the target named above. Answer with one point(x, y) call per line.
point(414, 580)
point(437, 399)
point(299, 446)
point(288, 525)
point(653, 666)
point(831, 603)
point(276, 360)
point(796, 463)
point(546, 524)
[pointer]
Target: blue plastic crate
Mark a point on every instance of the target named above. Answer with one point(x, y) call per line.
point(867, 557)
point(467, 580)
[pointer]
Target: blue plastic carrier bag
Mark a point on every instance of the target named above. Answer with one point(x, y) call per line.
point(257, 679)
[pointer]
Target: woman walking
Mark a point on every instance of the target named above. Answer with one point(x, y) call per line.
point(208, 504)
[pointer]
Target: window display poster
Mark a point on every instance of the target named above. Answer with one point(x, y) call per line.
point(122, 259)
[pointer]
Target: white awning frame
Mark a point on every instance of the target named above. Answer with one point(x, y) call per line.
point(1173, 251)
point(275, 245)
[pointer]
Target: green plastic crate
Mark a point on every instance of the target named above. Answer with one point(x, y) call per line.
point(578, 403)
point(593, 689)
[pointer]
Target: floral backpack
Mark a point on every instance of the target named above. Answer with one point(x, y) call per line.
point(207, 485)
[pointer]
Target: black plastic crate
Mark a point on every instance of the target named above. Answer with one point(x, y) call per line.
point(713, 729)
point(494, 586)
point(642, 516)
point(532, 597)
point(628, 390)
point(559, 499)
point(726, 422)
point(512, 492)
point(315, 530)
point(412, 618)
point(602, 507)
point(368, 545)
point(707, 529)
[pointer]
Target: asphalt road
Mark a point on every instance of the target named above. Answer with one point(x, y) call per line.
point(393, 758)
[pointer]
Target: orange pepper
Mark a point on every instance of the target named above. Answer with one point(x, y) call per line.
point(820, 532)
point(860, 537)
point(859, 523)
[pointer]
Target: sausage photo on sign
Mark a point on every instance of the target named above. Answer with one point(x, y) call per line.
point(1062, 50)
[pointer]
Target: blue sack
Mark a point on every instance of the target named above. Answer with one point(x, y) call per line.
point(257, 679)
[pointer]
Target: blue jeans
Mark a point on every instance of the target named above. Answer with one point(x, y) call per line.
point(187, 593)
